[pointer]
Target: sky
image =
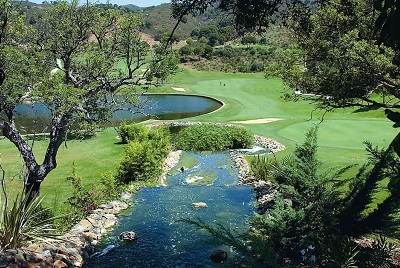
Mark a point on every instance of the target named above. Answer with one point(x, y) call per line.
point(139, 3)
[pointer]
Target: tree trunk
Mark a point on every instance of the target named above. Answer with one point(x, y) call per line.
point(35, 173)
point(32, 189)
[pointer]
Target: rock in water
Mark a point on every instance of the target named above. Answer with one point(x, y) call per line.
point(219, 256)
point(199, 205)
point(128, 236)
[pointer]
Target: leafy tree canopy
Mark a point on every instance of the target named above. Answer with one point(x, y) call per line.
point(249, 14)
point(80, 61)
point(339, 59)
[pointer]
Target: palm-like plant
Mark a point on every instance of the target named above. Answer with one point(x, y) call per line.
point(22, 221)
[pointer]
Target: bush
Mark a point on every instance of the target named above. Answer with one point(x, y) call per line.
point(311, 215)
point(132, 132)
point(213, 138)
point(143, 133)
point(82, 201)
point(144, 154)
point(142, 161)
point(110, 186)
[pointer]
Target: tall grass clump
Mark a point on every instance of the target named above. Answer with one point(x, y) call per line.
point(209, 137)
point(144, 155)
point(22, 221)
point(259, 166)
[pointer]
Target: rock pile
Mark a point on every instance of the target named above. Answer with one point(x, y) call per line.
point(171, 160)
point(74, 246)
point(242, 166)
point(265, 190)
point(265, 194)
point(271, 144)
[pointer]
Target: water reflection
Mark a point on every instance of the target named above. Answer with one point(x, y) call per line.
point(159, 106)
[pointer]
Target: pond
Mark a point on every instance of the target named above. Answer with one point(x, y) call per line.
point(159, 106)
point(164, 240)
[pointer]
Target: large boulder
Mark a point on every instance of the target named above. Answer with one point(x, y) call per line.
point(219, 256)
point(199, 205)
point(128, 236)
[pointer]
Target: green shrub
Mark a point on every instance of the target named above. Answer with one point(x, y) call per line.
point(207, 137)
point(142, 161)
point(259, 167)
point(162, 139)
point(311, 215)
point(82, 201)
point(144, 154)
point(240, 137)
point(110, 186)
point(143, 133)
point(132, 132)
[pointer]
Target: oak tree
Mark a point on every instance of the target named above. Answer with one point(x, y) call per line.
point(81, 62)
point(339, 60)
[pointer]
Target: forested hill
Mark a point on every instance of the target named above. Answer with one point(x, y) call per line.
point(157, 19)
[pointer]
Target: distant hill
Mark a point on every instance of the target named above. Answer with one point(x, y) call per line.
point(157, 19)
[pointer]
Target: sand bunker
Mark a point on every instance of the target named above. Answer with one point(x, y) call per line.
point(259, 121)
point(178, 89)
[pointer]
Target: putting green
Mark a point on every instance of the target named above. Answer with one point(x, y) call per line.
point(345, 134)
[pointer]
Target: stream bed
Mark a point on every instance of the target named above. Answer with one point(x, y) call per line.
point(164, 240)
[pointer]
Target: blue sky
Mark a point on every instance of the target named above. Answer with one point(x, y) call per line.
point(139, 3)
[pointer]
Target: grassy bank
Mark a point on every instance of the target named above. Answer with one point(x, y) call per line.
point(246, 97)
point(92, 158)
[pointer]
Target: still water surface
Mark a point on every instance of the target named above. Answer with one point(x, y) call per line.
point(158, 106)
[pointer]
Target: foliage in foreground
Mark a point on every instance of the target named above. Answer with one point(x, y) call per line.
point(144, 154)
point(319, 210)
point(209, 137)
point(22, 221)
point(341, 54)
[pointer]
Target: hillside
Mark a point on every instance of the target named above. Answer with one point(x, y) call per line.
point(157, 20)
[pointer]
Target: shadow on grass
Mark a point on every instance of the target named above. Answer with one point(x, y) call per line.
point(366, 109)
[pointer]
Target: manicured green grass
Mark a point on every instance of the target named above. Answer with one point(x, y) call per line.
point(92, 158)
point(251, 96)
point(246, 96)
